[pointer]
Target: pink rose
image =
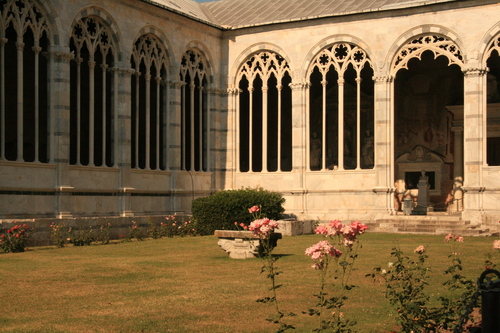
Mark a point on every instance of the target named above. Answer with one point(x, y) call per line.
point(253, 209)
point(420, 249)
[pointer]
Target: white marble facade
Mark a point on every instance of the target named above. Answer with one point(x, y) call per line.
point(133, 108)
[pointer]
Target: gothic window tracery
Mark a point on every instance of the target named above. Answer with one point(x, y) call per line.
point(24, 116)
point(341, 109)
point(265, 106)
point(194, 112)
point(149, 111)
point(439, 45)
point(91, 92)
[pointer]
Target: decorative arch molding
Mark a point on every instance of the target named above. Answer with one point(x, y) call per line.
point(111, 25)
point(205, 53)
point(414, 42)
point(490, 42)
point(48, 14)
point(158, 33)
point(254, 49)
point(329, 41)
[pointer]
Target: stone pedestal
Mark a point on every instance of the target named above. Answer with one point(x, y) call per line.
point(423, 196)
point(242, 244)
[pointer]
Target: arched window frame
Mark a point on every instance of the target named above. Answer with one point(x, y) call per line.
point(29, 128)
point(195, 115)
point(339, 57)
point(263, 67)
point(149, 107)
point(91, 36)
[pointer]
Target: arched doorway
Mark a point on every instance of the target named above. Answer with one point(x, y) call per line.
point(428, 83)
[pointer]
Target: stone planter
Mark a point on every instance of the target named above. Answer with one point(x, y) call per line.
point(242, 244)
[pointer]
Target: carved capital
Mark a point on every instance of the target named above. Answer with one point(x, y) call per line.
point(383, 79)
point(475, 71)
point(65, 56)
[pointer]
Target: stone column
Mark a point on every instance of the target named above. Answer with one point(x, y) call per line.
point(59, 107)
point(122, 87)
point(175, 150)
point(300, 149)
point(383, 142)
point(233, 132)
point(474, 140)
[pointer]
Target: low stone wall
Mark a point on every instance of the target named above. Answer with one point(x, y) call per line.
point(40, 235)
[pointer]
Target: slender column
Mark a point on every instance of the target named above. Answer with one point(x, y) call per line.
point(36, 49)
point(147, 138)
point(164, 110)
point(250, 128)
point(307, 134)
point(265, 128)
point(104, 67)
point(341, 82)
point(91, 110)
point(278, 155)
point(158, 110)
point(208, 156)
point(200, 128)
point(237, 142)
point(78, 61)
point(358, 123)
point(183, 124)
point(20, 99)
point(192, 87)
point(137, 118)
point(323, 134)
point(3, 41)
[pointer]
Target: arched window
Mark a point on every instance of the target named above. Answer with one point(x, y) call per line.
point(91, 106)
point(195, 118)
point(341, 109)
point(149, 60)
point(265, 111)
point(24, 116)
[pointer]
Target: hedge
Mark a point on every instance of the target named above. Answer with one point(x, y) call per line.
point(220, 210)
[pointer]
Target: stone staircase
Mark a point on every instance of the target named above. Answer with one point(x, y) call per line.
point(433, 223)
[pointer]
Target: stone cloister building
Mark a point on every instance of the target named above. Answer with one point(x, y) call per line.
point(136, 107)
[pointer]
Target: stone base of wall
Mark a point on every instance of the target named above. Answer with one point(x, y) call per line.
point(40, 235)
point(292, 227)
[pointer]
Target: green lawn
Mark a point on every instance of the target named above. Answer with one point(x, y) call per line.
point(190, 285)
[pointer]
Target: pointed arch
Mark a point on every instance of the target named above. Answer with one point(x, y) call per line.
point(149, 61)
point(25, 35)
point(264, 113)
point(341, 104)
point(94, 44)
point(412, 44)
point(194, 111)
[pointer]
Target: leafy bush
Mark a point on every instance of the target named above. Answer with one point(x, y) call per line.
point(15, 239)
point(220, 210)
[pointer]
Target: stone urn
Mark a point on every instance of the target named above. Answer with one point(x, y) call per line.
point(243, 244)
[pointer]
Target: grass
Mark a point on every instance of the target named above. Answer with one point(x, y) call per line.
point(190, 285)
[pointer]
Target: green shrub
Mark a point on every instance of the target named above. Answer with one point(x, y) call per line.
point(220, 210)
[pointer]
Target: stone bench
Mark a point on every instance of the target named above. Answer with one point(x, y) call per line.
point(242, 244)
